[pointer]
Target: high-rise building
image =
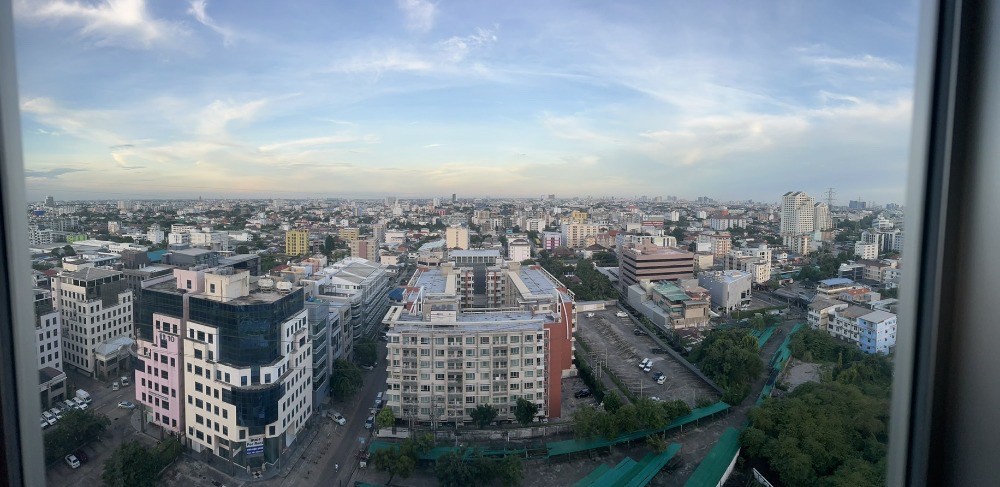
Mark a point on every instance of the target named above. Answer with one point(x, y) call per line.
point(821, 217)
point(797, 213)
point(454, 198)
point(348, 234)
point(574, 235)
point(50, 201)
point(518, 250)
point(364, 248)
point(521, 351)
point(654, 263)
point(96, 309)
point(226, 363)
point(51, 378)
point(297, 242)
point(456, 238)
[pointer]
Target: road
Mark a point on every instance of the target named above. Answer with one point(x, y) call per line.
point(352, 436)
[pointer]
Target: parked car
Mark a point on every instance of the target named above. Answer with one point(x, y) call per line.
point(82, 456)
point(370, 422)
point(80, 403)
point(660, 380)
point(51, 418)
point(340, 419)
point(639, 332)
point(72, 461)
point(69, 405)
point(45, 424)
point(124, 381)
point(115, 386)
point(621, 314)
point(590, 315)
point(126, 405)
point(582, 393)
point(56, 412)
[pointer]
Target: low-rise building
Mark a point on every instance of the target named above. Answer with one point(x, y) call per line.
point(878, 332)
point(519, 250)
point(754, 260)
point(865, 251)
point(671, 305)
point(730, 289)
point(819, 312)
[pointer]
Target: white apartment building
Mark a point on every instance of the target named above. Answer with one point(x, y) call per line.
point(445, 357)
point(95, 306)
point(574, 235)
point(820, 311)
point(155, 235)
point(47, 327)
point(799, 244)
point(822, 220)
point(248, 389)
point(797, 213)
point(456, 238)
point(866, 251)
point(878, 332)
point(217, 241)
point(843, 323)
point(178, 238)
point(518, 250)
point(754, 260)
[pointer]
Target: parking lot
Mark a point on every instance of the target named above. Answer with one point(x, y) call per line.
point(612, 340)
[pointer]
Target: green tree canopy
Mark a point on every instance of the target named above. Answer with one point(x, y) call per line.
point(366, 352)
point(385, 418)
point(730, 358)
point(612, 402)
point(825, 434)
point(484, 414)
point(345, 381)
point(74, 430)
point(525, 411)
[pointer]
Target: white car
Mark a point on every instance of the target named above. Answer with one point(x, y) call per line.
point(370, 422)
point(80, 403)
point(590, 315)
point(51, 418)
point(340, 419)
point(126, 405)
point(621, 314)
point(72, 461)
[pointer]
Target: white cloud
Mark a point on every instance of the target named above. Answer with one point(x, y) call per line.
point(215, 117)
point(451, 56)
point(419, 14)
point(197, 10)
point(572, 128)
point(455, 49)
point(318, 141)
point(120, 22)
point(82, 124)
point(865, 62)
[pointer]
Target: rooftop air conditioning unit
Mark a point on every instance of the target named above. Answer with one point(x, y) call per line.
point(265, 283)
point(284, 287)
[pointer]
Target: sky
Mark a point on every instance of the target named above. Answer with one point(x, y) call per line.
point(130, 99)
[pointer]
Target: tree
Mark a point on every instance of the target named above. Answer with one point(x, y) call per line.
point(131, 464)
point(393, 462)
point(366, 353)
point(757, 322)
point(75, 429)
point(385, 419)
point(525, 411)
point(453, 471)
point(329, 244)
point(822, 434)
point(484, 414)
point(731, 358)
point(510, 471)
point(346, 380)
point(612, 403)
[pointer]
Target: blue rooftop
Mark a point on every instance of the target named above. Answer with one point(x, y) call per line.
point(156, 255)
point(836, 281)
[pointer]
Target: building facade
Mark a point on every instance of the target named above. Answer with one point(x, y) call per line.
point(574, 235)
point(730, 289)
point(654, 263)
point(446, 358)
point(95, 307)
point(457, 238)
point(297, 242)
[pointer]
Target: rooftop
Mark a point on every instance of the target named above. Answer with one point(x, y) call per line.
point(836, 281)
point(878, 316)
point(110, 346)
point(475, 253)
point(671, 291)
point(91, 273)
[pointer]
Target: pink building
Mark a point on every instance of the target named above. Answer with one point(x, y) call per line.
point(158, 385)
point(551, 240)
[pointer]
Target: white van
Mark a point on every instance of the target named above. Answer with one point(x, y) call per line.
point(115, 386)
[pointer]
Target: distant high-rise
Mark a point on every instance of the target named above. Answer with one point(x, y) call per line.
point(454, 198)
point(857, 205)
point(821, 216)
point(457, 238)
point(797, 213)
point(297, 242)
point(50, 201)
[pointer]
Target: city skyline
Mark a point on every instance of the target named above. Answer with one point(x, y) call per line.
point(138, 100)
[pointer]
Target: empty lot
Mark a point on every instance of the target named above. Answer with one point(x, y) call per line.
point(611, 340)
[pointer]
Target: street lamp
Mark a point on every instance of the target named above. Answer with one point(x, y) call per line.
point(232, 455)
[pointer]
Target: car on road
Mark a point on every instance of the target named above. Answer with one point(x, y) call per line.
point(115, 386)
point(582, 393)
point(72, 461)
point(124, 381)
point(82, 456)
point(339, 418)
point(126, 405)
point(370, 422)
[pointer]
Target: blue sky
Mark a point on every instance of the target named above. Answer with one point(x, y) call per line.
point(734, 100)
